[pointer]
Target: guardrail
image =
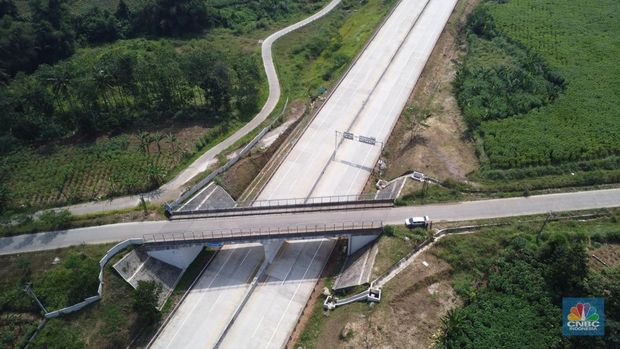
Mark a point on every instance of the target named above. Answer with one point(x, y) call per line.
point(288, 205)
point(297, 231)
point(172, 206)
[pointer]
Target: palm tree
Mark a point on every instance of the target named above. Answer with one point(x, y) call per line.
point(157, 138)
point(173, 142)
point(145, 141)
point(451, 328)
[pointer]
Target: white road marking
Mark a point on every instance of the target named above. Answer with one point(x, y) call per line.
point(294, 294)
point(196, 304)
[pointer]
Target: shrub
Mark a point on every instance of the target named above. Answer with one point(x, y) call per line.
point(145, 300)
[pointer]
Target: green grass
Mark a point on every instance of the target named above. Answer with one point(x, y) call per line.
point(393, 248)
point(341, 35)
point(506, 266)
point(581, 40)
point(33, 267)
point(65, 174)
point(470, 257)
point(110, 323)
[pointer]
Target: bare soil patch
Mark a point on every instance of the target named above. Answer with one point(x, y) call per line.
point(442, 150)
point(407, 317)
point(608, 253)
point(241, 174)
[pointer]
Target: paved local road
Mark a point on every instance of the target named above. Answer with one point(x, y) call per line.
point(461, 211)
point(171, 190)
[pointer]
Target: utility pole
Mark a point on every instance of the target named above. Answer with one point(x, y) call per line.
point(549, 216)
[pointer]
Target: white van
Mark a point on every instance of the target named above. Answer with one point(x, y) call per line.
point(418, 222)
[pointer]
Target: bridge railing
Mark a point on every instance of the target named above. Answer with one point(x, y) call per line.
point(308, 201)
point(289, 205)
point(265, 232)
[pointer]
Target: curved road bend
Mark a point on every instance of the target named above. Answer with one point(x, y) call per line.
point(462, 211)
point(172, 189)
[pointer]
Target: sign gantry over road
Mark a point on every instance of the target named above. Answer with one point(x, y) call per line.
point(352, 137)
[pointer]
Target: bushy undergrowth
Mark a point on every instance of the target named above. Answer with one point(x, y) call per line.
point(513, 288)
point(69, 283)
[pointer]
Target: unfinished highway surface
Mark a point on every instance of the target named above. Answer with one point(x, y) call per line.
point(210, 304)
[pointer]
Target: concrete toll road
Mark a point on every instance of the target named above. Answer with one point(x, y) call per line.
point(281, 295)
point(211, 303)
point(367, 102)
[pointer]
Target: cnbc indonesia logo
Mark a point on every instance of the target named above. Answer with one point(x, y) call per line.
point(583, 317)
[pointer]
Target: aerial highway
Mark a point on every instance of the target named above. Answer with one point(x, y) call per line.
point(449, 212)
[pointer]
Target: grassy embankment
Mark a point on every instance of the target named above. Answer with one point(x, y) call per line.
point(539, 120)
point(309, 61)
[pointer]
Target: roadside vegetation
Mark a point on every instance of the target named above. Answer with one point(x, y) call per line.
point(66, 276)
point(309, 61)
point(527, 93)
point(466, 275)
point(529, 279)
point(507, 105)
point(58, 278)
point(126, 95)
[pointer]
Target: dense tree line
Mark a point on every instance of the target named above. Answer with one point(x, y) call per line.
point(52, 31)
point(105, 90)
point(45, 37)
point(501, 78)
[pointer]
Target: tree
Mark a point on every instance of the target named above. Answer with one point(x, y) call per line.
point(145, 300)
point(157, 138)
point(172, 18)
point(17, 47)
point(122, 11)
point(54, 36)
point(8, 8)
point(97, 26)
point(145, 141)
point(173, 142)
point(567, 265)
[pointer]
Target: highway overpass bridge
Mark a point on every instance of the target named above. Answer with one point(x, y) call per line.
point(358, 235)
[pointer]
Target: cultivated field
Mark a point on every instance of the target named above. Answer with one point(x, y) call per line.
point(581, 41)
